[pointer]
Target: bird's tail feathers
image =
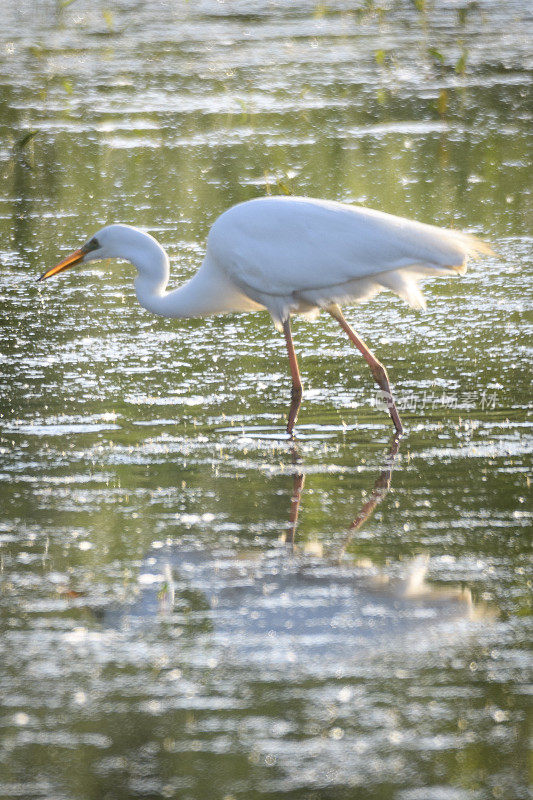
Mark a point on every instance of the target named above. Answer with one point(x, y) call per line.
point(456, 248)
point(474, 247)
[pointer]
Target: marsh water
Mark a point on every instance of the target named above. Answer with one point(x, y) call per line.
point(191, 605)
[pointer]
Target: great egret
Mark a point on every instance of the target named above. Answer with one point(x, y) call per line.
point(291, 255)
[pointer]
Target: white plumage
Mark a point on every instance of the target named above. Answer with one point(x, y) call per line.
point(291, 255)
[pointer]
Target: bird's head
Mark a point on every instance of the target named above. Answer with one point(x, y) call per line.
point(109, 242)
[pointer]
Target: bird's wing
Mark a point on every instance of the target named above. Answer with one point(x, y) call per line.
point(281, 245)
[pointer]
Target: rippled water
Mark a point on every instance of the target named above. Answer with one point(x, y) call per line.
point(192, 606)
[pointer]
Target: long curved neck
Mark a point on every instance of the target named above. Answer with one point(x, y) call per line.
point(193, 299)
point(210, 291)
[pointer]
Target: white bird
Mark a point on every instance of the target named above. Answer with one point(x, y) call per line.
point(291, 255)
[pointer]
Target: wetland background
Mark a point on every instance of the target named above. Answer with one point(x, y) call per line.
point(130, 442)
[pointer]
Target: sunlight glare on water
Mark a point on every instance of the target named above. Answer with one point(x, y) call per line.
point(192, 606)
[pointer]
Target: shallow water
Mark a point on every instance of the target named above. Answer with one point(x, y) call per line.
point(192, 606)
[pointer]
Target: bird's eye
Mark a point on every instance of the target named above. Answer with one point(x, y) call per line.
point(92, 244)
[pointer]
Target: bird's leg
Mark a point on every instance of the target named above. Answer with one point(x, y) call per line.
point(376, 367)
point(297, 388)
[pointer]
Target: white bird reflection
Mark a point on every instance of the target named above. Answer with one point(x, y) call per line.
point(295, 602)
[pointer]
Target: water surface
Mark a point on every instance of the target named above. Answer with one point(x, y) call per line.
point(192, 606)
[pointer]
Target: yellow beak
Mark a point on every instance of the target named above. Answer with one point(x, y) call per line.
point(73, 258)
